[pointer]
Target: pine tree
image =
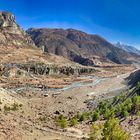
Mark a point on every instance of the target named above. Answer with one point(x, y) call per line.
point(94, 132)
point(113, 131)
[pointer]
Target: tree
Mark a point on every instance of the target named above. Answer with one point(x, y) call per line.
point(95, 116)
point(102, 106)
point(118, 109)
point(107, 114)
point(78, 116)
point(138, 88)
point(138, 114)
point(61, 121)
point(74, 121)
point(136, 104)
point(115, 99)
point(128, 104)
point(113, 131)
point(84, 116)
point(94, 132)
point(125, 113)
point(123, 97)
point(129, 107)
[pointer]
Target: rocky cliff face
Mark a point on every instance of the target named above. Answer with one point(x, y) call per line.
point(40, 69)
point(43, 69)
point(11, 34)
point(133, 78)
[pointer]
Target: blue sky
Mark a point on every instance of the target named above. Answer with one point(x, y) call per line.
point(115, 20)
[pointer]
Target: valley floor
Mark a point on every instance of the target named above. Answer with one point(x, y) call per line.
point(75, 95)
point(30, 101)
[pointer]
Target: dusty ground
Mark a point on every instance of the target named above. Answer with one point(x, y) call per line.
point(27, 92)
point(24, 124)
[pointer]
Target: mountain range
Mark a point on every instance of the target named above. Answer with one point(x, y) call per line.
point(71, 44)
point(46, 92)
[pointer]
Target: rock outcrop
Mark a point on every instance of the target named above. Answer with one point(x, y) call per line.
point(40, 69)
point(11, 34)
point(133, 78)
point(43, 69)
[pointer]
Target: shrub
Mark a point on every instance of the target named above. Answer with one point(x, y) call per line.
point(43, 119)
point(6, 108)
point(14, 107)
point(20, 105)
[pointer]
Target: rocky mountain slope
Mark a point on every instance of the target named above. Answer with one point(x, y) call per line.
point(78, 46)
point(11, 34)
point(74, 45)
point(17, 48)
point(128, 48)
